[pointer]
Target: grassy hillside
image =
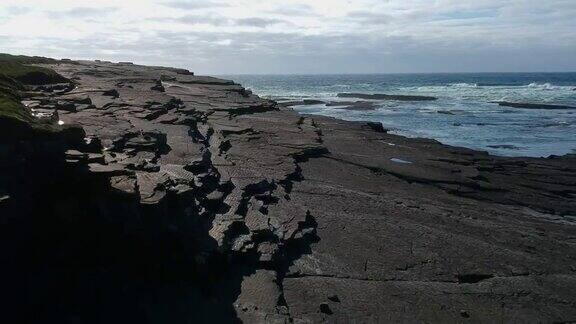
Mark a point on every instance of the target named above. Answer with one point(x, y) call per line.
point(15, 73)
point(26, 59)
point(19, 68)
point(10, 105)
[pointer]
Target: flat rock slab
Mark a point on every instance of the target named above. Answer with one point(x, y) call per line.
point(331, 221)
point(533, 105)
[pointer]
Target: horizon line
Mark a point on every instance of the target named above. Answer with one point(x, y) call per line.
point(384, 73)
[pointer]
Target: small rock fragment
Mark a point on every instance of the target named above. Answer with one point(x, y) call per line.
point(334, 298)
point(325, 309)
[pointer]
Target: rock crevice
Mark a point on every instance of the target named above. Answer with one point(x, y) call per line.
point(194, 199)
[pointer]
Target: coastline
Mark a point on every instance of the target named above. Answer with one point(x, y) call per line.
point(466, 112)
point(286, 217)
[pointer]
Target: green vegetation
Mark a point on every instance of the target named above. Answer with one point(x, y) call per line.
point(10, 105)
point(15, 73)
point(19, 68)
point(26, 59)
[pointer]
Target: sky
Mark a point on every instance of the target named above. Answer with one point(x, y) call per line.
point(300, 36)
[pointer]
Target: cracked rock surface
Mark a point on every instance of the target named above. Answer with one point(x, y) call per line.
point(254, 213)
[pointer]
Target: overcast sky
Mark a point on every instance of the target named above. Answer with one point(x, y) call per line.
point(300, 36)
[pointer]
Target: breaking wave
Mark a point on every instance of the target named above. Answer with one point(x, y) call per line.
point(464, 85)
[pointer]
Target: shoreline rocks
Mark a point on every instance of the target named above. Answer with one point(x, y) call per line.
point(532, 105)
point(353, 105)
point(200, 201)
point(304, 102)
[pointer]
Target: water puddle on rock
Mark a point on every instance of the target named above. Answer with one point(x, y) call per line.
point(397, 160)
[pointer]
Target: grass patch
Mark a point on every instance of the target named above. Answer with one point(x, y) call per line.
point(29, 74)
point(26, 59)
point(15, 73)
point(19, 68)
point(10, 106)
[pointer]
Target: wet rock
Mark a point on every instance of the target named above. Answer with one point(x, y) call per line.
point(353, 105)
point(377, 127)
point(533, 105)
point(304, 102)
point(503, 146)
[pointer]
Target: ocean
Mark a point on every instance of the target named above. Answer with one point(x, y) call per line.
point(464, 115)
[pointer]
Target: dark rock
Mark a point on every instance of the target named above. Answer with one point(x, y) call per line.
point(503, 146)
point(325, 309)
point(210, 197)
point(473, 277)
point(305, 102)
point(377, 127)
point(334, 298)
point(312, 102)
point(59, 87)
point(111, 93)
point(158, 87)
point(142, 141)
point(533, 105)
point(66, 105)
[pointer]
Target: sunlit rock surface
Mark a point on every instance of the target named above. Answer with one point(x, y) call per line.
point(194, 199)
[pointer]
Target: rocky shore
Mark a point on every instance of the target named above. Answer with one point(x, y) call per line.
point(533, 105)
point(172, 198)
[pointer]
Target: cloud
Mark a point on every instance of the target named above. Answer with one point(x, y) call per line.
point(214, 20)
point(371, 18)
point(195, 4)
point(18, 10)
point(279, 36)
point(299, 10)
point(218, 20)
point(258, 22)
point(81, 12)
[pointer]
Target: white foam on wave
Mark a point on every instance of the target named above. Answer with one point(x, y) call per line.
point(447, 87)
point(544, 86)
point(464, 85)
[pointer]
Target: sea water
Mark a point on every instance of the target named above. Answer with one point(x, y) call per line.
point(464, 115)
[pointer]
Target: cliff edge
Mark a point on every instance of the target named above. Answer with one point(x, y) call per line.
point(174, 197)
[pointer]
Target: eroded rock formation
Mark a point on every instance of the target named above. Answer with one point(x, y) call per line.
point(189, 198)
